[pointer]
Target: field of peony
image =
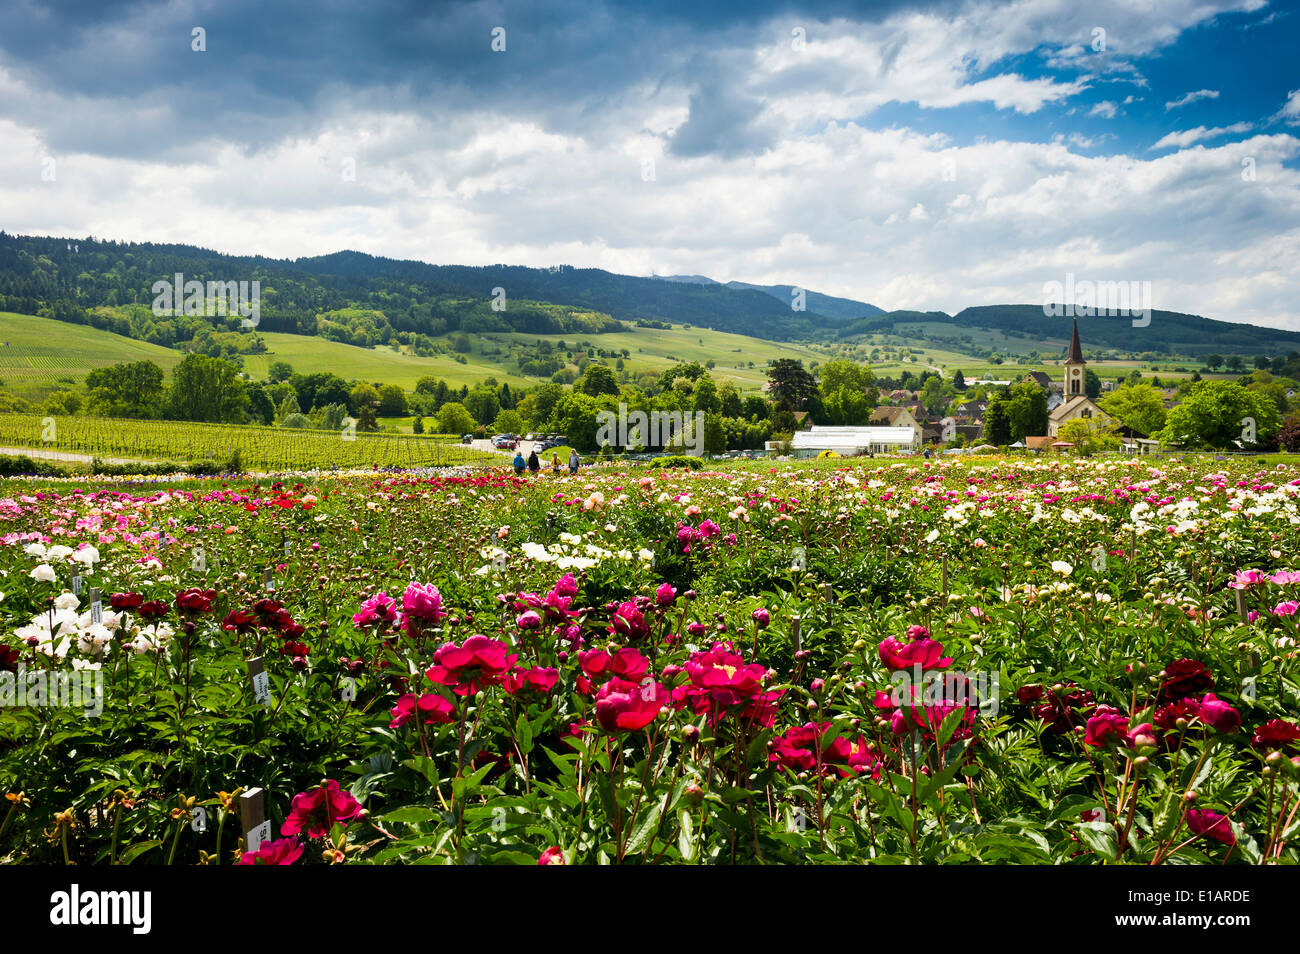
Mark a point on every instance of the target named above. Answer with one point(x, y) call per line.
point(1043, 662)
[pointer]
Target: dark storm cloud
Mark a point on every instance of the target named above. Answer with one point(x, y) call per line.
point(275, 70)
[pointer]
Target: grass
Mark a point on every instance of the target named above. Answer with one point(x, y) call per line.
point(40, 355)
point(653, 349)
point(310, 355)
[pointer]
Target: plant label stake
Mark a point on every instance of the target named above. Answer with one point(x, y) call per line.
point(96, 607)
point(76, 586)
point(261, 681)
point(252, 815)
point(943, 575)
point(795, 638)
point(268, 579)
point(1241, 603)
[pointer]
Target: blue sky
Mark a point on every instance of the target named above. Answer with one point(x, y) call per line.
point(914, 155)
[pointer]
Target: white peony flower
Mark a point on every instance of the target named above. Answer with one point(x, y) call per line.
point(43, 573)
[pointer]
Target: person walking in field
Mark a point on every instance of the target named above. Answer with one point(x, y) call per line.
point(534, 465)
point(555, 463)
point(519, 463)
point(574, 461)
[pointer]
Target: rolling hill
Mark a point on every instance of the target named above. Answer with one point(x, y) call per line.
point(1169, 333)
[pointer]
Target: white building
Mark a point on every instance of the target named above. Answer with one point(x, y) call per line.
point(850, 441)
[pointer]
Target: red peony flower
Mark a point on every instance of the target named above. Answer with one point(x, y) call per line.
point(628, 621)
point(1106, 725)
point(239, 620)
point(1167, 716)
point(1218, 714)
point(432, 707)
point(628, 706)
point(552, 856)
point(283, 851)
point(126, 601)
point(154, 609)
point(474, 665)
point(722, 684)
point(539, 680)
point(1211, 825)
point(1185, 677)
point(924, 652)
point(1276, 734)
point(315, 812)
point(195, 600)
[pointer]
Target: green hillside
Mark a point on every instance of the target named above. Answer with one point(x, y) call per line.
point(40, 355)
point(309, 355)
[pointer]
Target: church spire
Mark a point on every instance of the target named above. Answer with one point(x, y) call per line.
point(1075, 383)
point(1076, 351)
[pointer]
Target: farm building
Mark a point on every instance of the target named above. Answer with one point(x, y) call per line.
point(847, 441)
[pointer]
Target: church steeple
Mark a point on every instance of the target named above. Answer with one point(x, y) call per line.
point(1075, 385)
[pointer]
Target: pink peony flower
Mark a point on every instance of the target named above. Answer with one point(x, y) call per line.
point(1217, 714)
point(316, 811)
point(380, 608)
point(424, 602)
point(1246, 579)
point(925, 652)
point(283, 851)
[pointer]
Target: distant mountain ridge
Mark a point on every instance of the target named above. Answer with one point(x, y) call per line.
point(828, 305)
point(1168, 332)
point(363, 299)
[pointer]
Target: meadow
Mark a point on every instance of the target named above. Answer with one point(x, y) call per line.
point(1038, 661)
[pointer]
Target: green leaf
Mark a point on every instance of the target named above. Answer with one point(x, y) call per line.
point(685, 832)
point(410, 815)
point(524, 735)
point(645, 828)
point(136, 850)
point(1101, 837)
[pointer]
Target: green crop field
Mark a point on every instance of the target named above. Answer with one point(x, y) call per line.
point(40, 355)
point(310, 355)
point(259, 448)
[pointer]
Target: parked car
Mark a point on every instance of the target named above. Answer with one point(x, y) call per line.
point(467, 438)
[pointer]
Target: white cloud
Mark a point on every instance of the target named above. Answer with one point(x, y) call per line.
point(1105, 109)
point(1189, 136)
point(1188, 98)
point(1291, 108)
point(892, 215)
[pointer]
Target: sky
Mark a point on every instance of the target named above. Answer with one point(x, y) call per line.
point(912, 155)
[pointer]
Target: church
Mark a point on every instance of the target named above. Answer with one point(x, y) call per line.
point(1076, 403)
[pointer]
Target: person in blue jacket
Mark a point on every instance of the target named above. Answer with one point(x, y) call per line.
point(519, 463)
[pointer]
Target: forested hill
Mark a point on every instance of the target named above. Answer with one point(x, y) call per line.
point(1169, 332)
point(364, 298)
point(741, 309)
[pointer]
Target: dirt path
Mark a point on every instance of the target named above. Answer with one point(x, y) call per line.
point(64, 456)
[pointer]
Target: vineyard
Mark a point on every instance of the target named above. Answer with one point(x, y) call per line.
point(259, 448)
